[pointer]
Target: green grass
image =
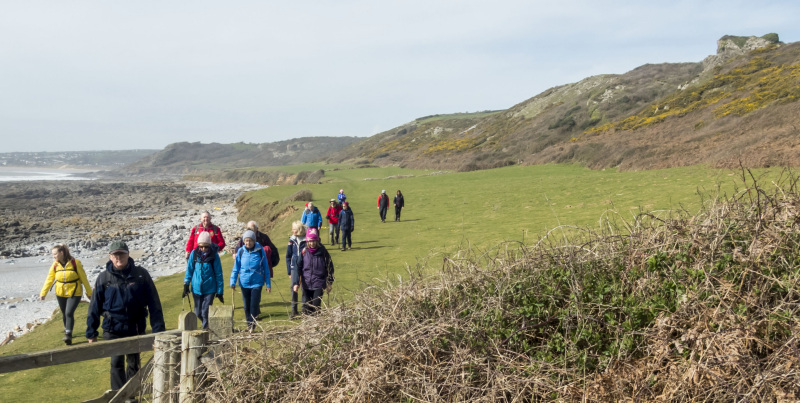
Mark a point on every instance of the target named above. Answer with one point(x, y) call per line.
point(443, 213)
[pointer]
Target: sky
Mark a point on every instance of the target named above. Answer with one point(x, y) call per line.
point(117, 75)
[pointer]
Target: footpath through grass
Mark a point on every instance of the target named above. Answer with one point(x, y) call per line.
point(444, 212)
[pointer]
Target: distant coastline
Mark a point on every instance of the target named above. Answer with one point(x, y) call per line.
point(22, 174)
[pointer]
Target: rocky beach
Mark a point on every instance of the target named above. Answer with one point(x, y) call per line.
point(154, 218)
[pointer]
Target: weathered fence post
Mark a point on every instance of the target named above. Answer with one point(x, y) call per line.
point(192, 347)
point(187, 320)
point(164, 378)
point(174, 362)
point(220, 321)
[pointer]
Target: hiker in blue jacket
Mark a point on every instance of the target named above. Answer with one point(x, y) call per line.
point(294, 260)
point(251, 270)
point(123, 295)
point(312, 218)
point(204, 277)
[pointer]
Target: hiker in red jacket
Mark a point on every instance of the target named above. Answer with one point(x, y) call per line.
point(383, 205)
point(205, 226)
point(333, 221)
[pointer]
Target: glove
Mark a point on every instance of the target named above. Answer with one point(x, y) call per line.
point(185, 290)
point(221, 298)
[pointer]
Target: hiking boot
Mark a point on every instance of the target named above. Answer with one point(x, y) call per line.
point(67, 339)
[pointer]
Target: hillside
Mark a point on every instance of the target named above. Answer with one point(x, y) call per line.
point(187, 158)
point(738, 104)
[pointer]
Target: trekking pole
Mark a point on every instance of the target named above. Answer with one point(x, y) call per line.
point(233, 299)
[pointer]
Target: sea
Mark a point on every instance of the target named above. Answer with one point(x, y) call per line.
point(20, 275)
point(17, 174)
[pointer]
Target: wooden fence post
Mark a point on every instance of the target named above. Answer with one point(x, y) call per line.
point(220, 321)
point(192, 347)
point(187, 320)
point(164, 368)
point(174, 361)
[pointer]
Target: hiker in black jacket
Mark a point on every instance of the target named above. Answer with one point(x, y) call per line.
point(399, 203)
point(383, 205)
point(263, 240)
point(123, 295)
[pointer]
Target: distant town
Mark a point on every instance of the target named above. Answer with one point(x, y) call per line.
point(73, 158)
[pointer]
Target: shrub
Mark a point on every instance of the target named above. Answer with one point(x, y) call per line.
point(771, 37)
point(301, 195)
point(681, 308)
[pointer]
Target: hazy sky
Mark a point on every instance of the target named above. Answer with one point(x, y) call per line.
point(110, 75)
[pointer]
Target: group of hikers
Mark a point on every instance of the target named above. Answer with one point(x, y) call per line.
point(124, 294)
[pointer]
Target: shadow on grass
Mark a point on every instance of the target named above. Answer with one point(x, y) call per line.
point(368, 247)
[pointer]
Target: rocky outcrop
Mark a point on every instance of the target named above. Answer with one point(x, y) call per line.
point(729, 47)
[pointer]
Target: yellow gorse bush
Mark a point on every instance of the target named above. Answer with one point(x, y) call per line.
point(746, 89)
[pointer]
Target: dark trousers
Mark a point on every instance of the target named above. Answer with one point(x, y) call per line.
point(201, 305)
point(383, 211)
point(252, 299)
point(347, 238)
point(68, 306)
point(334, 232)
point(119, 373)
point(397, 213)
point(294, 300)
point(312, 300)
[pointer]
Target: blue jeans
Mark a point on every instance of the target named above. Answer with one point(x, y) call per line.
point(201, 305)
point(334, 233)
point(252, 299)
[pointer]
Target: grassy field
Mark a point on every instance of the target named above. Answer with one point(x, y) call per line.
point(444, 212)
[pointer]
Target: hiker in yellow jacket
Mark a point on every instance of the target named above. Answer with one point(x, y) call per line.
point(67, 272)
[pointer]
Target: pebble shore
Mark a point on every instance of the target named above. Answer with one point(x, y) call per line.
point(157, 245)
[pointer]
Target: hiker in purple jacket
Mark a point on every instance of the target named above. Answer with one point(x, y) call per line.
point(317, 274)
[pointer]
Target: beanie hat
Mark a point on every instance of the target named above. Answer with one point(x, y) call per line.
point(383, 191)
point(249, 234)
point(312, 235)
point(204, 238)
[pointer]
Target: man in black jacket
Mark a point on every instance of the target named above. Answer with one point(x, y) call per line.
point(383, 205)
point(123, 295)
point(263, 240)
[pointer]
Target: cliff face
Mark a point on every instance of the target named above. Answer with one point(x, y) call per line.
point(739, 104)
point(729, 47)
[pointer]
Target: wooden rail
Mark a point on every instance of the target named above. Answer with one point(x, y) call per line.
point(102, 349)
point(183, 368)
